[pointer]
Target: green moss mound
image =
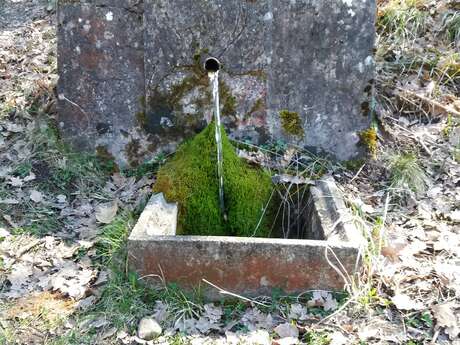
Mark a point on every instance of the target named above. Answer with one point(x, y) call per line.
point(190, 178)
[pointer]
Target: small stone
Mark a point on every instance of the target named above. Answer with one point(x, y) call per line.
point(149, 329)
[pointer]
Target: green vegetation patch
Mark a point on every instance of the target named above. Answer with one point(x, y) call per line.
point(451, 26)
point(404, 20)
point(190, 178)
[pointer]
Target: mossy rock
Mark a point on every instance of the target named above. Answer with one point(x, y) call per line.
point(190, 178)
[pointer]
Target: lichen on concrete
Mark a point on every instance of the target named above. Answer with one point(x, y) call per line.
point(368, 139)
point(291, 123)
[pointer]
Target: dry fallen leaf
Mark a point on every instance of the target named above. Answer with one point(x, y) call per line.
point(446, 317)
point(330, 304)
point(72, 280)
point(62, 199)
point(414, 248)
point(382, 330)
point(36, 196)
point(287, 330)
point(405, 302)
point(254, 319)
point(449, 274)
point(4, 233)
point(298, 312)
point(105, 213)
point(337, 338)
point(19, 279)
point(86, 302)
point(16, 182)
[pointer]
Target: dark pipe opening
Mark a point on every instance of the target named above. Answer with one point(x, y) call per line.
point(212, 64)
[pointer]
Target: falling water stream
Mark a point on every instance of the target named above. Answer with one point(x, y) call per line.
point(214, 78)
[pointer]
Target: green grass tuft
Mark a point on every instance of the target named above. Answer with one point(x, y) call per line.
point(113, 237)
point(406, 173)
point(451, 26)
point(181, 304)
point(404, 20)
point(190, 179)
point(125, 299)
point(58, 170)
point(316, 338)
point(58, 167)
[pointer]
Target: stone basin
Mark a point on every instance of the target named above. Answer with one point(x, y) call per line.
point(251, 266)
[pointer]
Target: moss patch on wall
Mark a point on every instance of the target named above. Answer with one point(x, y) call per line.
point(133, 149)
point(227, 99)
point(259, 105)
point(169, 103)
point(190, 178)
point(107, 159)
point(291, 123)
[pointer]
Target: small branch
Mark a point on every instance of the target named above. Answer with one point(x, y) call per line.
point(357, 174)
point(28, 248)
point(432, 102)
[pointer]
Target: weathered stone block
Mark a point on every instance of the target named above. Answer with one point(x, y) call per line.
point(253, 266)
point(101, 74)
point(301, 71)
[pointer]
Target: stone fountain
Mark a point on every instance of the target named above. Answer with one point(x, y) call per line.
point(134, 83)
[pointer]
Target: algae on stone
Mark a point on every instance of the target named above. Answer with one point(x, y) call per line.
point(190, 179)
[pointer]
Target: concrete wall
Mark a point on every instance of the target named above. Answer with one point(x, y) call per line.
point(132, 81)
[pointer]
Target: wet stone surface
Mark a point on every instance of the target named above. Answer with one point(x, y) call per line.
point(132, 81)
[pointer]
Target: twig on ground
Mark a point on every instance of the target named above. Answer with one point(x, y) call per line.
point(357, 174)
point(225, 292)
point(384, 217)
point(435, 336)
point(416, 138)
point(432, 102)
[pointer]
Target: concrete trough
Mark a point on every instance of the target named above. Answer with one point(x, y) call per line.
point(250, 266)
